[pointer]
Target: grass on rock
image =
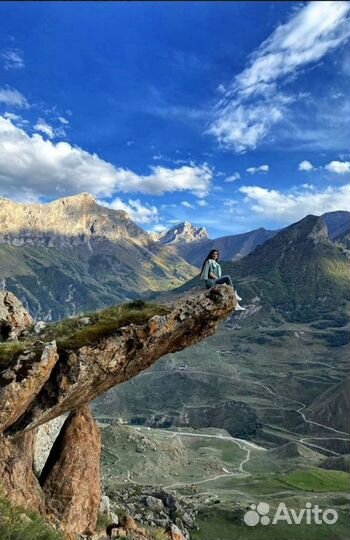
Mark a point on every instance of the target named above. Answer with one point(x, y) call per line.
point(74, 333)
point(18, 524)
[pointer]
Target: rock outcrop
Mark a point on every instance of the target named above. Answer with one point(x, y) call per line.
point(22, 379)
point(18, 481)
point(82, 375)
point(14, 319)
point(46, 435)
point(71, 477)
point(44, 380)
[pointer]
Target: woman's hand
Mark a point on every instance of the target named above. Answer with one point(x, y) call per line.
point(212, 276)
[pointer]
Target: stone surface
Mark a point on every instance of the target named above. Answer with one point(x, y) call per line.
point(154, 503)
point(175, 533)
point(71, 477)
point(21, 380)
point(14, 318)
point(45, 438)
point(17, 480)
point(81, 376)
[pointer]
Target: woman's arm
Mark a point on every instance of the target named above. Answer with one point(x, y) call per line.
point(211, 275)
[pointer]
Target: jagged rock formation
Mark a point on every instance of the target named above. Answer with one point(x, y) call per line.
point(71, 477)
point(82, 375)
point(43, 382)
point(184, 232)
point(14, 319)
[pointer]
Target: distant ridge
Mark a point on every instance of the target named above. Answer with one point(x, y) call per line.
point(75, 255)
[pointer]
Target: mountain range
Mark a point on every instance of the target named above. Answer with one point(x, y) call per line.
point(74, 255)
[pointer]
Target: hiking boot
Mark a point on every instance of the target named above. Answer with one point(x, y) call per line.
point(238, 298)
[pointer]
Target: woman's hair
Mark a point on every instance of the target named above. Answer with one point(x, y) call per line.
point(210, 256)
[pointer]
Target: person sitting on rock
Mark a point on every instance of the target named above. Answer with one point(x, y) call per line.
point(212, 275)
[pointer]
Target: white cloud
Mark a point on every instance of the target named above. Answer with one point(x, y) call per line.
point(17, 119)
point(230, 206)
point(14, 98)
point(138, 212)
point(294, 204)
point(338, 167)
point(158, 228)
point(13, 59)
point(63, 120)
point(202, 202)
point(261, 168)
point(44, 168)
point(255, 102)
point(233, 177)
point(186, 204)
point(45, 128)
point(305, 166)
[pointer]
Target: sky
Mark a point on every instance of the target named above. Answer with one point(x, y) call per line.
point(230, 115)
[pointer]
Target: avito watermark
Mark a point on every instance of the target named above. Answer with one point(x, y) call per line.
point(310, 515)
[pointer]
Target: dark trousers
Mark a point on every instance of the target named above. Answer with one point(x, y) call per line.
point(219, 281)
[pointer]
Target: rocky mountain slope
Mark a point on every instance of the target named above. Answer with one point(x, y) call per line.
point(183, 233)
point(73, 255)
point(299, 272)
point(60, 370)
point(232, 247)
point(196, 245)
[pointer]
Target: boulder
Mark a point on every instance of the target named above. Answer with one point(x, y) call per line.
point(71, 477)
point(14, 318)
point(21, 380)
point(174, 533)
point(154, 504)
point(17, 480)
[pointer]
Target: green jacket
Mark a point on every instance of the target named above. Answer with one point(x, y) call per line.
point(211, 266)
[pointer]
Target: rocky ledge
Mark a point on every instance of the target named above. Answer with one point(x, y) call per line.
point(44, 379)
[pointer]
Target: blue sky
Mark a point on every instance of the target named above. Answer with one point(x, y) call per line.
point(231, 115)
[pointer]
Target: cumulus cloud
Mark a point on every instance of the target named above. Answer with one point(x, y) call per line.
point(45, 128)
point(16, 119)
point(261, 168)
point(286, 207)
point(44, 168)
point(186, 204)
point(305, 166)
point(12, 59)
point(233, 177)
point(256, 100)
point(338, 167)
point(13, 98)
point(138, 212)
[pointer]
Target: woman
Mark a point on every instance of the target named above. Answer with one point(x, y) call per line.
point(211, 273)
